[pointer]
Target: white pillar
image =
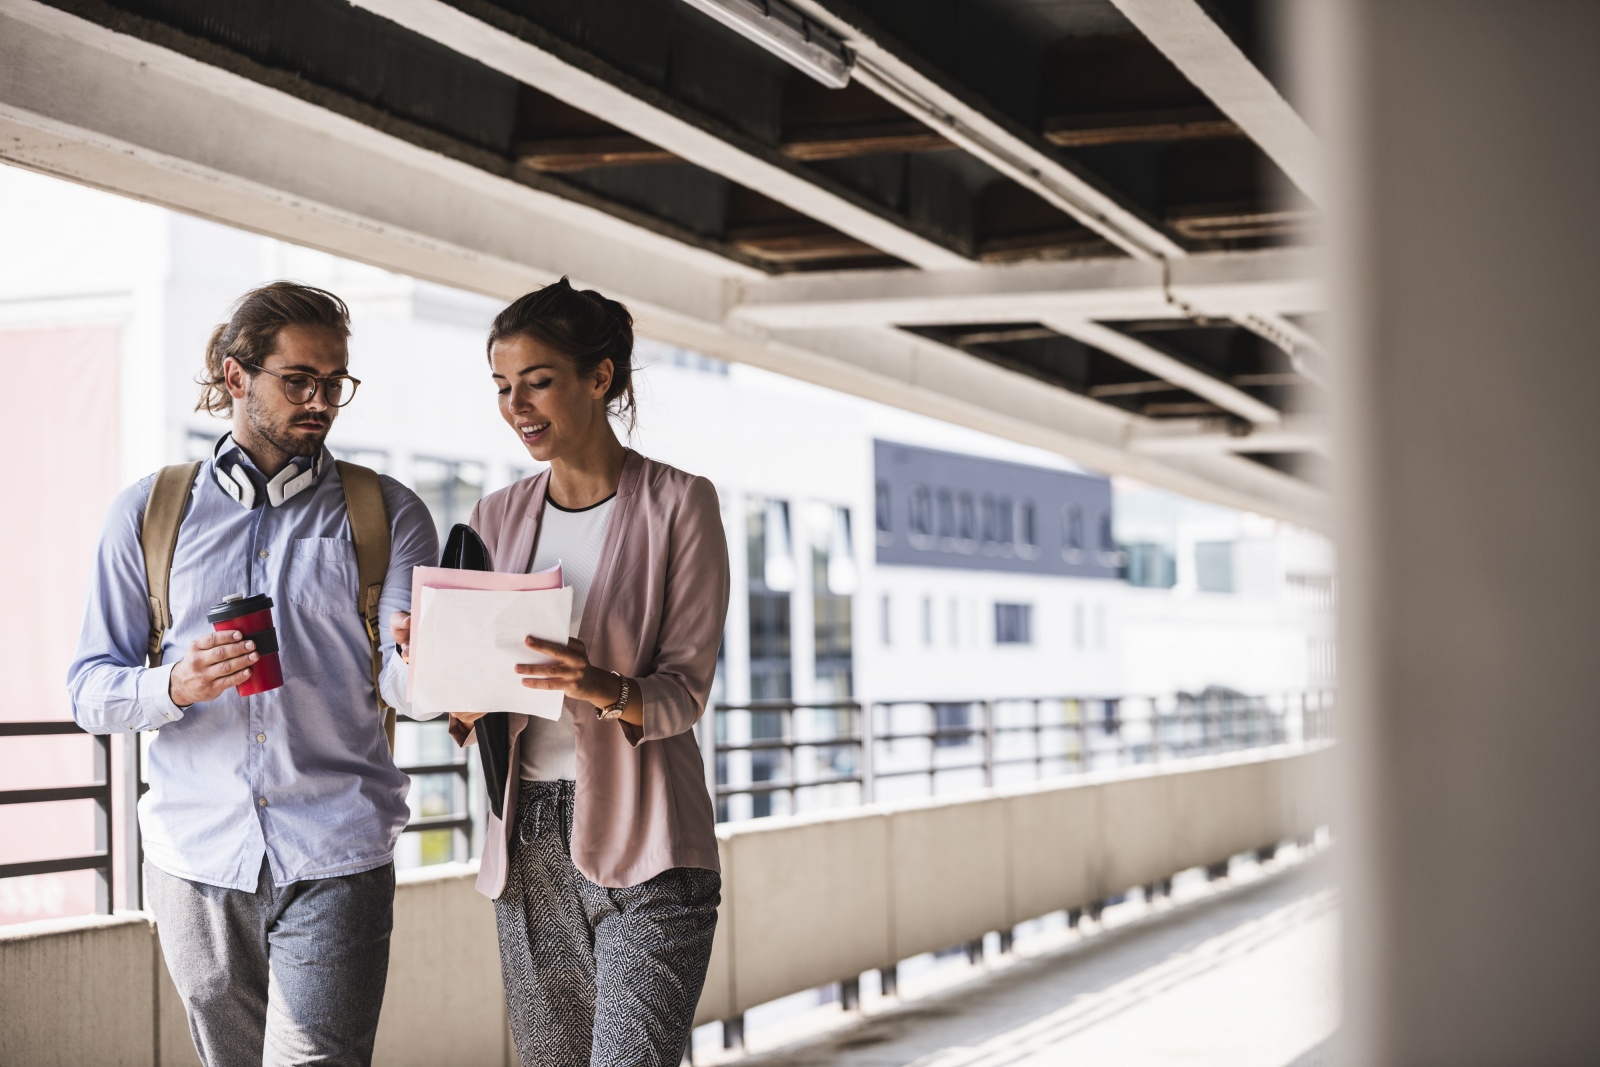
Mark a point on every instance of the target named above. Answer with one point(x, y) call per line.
point(1466, 226)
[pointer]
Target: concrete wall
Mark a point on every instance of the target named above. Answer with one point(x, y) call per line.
point(816, 899)
point(806, 901)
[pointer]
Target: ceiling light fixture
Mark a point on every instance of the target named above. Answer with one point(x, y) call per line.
point(803, 43)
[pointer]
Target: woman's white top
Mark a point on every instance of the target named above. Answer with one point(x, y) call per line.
point(573, 539)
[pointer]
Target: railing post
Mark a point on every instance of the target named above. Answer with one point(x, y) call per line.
point(868, 752)
point(104, 898)
point(988, 743)
point(127, 811)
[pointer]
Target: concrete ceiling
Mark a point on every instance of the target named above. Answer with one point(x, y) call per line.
point(1078, 224)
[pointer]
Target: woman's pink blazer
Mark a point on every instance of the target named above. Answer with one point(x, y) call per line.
point(655, 613)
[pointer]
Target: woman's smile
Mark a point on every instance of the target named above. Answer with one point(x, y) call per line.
point(532, 432)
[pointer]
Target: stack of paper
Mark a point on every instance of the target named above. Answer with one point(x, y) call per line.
point(467, 631)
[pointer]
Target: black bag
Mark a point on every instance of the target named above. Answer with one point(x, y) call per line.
point(464, 550)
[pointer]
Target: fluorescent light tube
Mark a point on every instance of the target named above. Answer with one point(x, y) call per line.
point(786, 33)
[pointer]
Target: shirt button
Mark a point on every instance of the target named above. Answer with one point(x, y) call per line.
point(262, 802)
point(265, 553)
point(261, 738)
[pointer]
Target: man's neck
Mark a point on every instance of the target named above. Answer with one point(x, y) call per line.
point(268, 458)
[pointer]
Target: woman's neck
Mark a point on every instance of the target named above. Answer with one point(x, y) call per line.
point(590, 474)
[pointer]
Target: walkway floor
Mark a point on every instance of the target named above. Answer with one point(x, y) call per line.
point(1244, 974)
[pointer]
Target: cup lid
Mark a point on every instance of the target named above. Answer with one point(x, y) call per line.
point(238, 605)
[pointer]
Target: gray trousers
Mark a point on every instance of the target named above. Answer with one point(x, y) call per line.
point(597, 977)
point(285, 975)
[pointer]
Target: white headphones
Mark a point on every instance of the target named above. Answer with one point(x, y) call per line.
point(235, 480)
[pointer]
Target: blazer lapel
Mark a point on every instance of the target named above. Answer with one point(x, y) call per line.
point(522, 530)
point(621, 516)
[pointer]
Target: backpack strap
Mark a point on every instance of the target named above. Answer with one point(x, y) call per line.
point(369, 528)
point(158, 536)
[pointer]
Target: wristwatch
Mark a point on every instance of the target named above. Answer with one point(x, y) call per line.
point(614, 711)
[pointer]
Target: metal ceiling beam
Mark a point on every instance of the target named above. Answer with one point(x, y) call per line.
point(1017, 154)
point(1189, 437)
point(109, 110)
point(589, 85)
point(1153, 361)
point(959, 388)
point(1209, 285)
point(1207, 56)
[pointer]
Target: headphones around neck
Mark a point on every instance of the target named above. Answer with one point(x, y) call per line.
point(237, 483)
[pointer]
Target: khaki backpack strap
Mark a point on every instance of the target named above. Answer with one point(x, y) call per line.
point(369, 528)
point(158, 536)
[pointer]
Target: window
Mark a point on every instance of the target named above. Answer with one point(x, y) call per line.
point(199, 444)
point(885, 631)
point(449, 488)
point(374, 459)
point(1150, 565)
point(1013, 624)
point(955, 622)
point(1110, 554)
point(953, 725)
point(1213, 566)
point(920, 515)
point(771, 572)
point(833, 584)
point(1078, 626)
point(946, 512)
point(966, 522)
point(1072, 533)
point(883, 514)
point(1027, 535)
point(927, 621)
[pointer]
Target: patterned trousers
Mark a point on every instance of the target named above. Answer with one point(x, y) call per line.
point(597, 977)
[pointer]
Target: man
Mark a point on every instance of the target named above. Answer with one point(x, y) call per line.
point(270, 822)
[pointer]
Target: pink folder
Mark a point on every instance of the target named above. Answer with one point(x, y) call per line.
point(494, 581)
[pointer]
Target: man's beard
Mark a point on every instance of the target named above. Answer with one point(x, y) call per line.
point(277, 431)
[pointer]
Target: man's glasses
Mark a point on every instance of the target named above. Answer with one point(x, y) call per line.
point(337, 389)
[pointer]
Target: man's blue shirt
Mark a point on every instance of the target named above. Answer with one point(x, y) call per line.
point(301, 774)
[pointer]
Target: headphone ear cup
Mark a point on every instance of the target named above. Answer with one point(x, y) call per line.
point(236, 483)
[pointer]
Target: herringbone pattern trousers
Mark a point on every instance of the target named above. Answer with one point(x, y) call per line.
point(597, 977)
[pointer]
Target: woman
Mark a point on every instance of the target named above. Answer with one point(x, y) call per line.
point(604, 876)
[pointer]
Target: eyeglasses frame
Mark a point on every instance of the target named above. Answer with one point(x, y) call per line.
point(321, 385)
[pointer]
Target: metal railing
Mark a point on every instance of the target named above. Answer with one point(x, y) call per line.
point(99, 791)
point(120, 799)
point(777, 756)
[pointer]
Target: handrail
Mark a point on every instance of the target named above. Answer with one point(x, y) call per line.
point(767, 748)
point(99, 791)
point(105, 859)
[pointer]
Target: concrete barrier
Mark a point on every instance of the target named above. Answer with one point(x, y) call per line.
point(78, 991)
point(806, 901)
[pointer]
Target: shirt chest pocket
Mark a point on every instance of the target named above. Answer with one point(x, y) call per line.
point(323, 574)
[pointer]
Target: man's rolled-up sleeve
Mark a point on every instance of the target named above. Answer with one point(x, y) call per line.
point(111, 689)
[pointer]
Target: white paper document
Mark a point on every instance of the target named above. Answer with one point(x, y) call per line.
point(465, 654)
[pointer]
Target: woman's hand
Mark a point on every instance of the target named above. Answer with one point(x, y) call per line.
point(400, 629)
point(467, 718)
point(570, 671)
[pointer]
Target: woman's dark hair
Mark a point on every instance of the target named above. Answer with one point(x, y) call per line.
point(581, 325)
point(251, 333)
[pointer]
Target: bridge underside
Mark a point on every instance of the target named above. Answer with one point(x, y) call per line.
point(1072, 225)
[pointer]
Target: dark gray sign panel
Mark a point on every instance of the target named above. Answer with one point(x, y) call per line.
point(942, 509)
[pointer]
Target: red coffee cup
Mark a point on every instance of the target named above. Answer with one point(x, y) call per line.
point(252, 617)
